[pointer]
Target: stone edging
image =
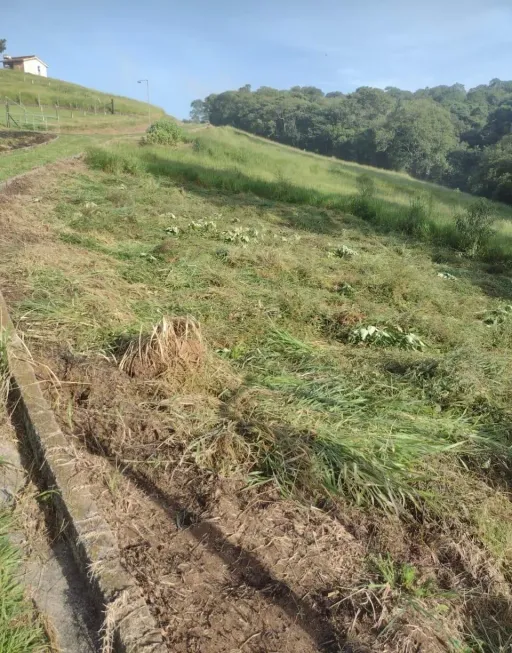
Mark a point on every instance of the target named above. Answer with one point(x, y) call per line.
point(127, 620)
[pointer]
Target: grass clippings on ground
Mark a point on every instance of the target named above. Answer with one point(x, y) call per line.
point(326, 361)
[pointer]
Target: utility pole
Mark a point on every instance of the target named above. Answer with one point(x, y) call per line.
point(141, 81)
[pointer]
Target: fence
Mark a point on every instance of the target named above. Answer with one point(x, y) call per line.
point(16, 115)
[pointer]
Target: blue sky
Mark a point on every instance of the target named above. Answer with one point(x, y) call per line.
point(189, 49)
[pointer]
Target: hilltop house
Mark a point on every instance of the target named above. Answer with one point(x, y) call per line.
point(29, 64)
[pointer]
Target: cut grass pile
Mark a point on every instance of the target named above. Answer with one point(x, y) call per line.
point(345, 366)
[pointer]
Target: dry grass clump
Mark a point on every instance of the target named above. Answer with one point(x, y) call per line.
point(173, 351)
point(4, 372)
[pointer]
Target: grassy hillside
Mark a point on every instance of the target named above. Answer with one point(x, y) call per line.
point(343, 363)
point(31, 90)
point(78, 127)
point(232, 161)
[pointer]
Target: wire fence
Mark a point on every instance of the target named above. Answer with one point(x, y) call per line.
point(37, 117)
point(17, 115)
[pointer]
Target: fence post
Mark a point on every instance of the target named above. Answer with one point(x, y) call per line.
point(113, 110)
point(7, 114)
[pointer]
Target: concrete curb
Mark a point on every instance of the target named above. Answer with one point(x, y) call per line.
point(127, 619)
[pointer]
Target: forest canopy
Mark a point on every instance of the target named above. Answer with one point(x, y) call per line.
point(444, 134)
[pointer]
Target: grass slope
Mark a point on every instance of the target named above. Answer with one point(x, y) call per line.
point(234, 162)
point(33, 99)
point(352, 366)
point(31, 91)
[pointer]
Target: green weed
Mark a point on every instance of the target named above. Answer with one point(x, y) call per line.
point(389, 336)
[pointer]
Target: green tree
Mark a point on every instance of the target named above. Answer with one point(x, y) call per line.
point(499, 123)
point(3, 45)
point(493, 177)
point(198, 111)
point(417, 138)
point(442, 133)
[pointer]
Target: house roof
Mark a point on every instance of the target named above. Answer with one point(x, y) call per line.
point(24, 58)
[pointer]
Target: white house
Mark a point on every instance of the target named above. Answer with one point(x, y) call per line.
point(29, 64)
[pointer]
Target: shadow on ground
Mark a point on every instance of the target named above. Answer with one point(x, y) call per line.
point(310, 210)
point(244, 567)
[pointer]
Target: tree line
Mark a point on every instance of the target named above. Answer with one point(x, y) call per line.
point(445, 134)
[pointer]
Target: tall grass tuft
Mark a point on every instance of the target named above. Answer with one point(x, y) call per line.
point(111, 161)
point(364, 204)
point(418, 216)
point(475, 227)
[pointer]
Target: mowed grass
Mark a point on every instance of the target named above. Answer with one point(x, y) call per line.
point(284, 304)
point(233, 162)
point(19, 161)
point(352, 367)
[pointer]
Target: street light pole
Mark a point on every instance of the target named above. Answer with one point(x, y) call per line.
point(140, 81)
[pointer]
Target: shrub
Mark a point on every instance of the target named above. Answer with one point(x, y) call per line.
point(163, 132)
point(474, 227)
point(417, 218)
point(364, 204)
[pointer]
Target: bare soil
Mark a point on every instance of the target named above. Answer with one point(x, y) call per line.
point(223, 568)
point(10, 140)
